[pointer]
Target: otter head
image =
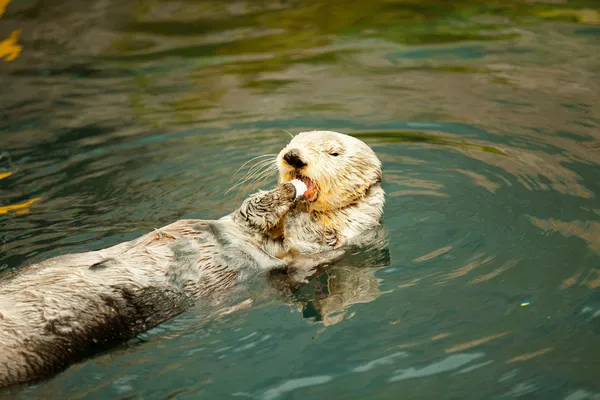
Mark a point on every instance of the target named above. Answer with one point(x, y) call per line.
point(337, 169)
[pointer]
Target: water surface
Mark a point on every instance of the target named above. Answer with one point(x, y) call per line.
point(120, 117)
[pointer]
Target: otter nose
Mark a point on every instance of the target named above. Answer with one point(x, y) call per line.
point(292, 157)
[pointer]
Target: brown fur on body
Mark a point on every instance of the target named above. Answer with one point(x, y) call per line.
point(66, 308)
point(63, 309)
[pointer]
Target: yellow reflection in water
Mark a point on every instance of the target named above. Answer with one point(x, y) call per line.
point(9, 48)
point(3, 4)
point(22, 207)
point(478, 261)
point(5, 174)
point(529, 356)
point(433, 254)
point(589, 231)
point(495, 273)
point(584, 16)
point(440, 336)
point(476, 342)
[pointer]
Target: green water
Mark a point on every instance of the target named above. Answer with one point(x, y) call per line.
point(120, 117)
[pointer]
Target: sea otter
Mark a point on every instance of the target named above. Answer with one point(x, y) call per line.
point(69, 307)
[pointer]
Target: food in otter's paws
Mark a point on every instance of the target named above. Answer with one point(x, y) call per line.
point(300, 188)
point(305, 187)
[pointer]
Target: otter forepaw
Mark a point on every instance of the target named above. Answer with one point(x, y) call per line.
point(288, 191)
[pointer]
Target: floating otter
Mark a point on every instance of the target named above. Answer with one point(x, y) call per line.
point(69, 307)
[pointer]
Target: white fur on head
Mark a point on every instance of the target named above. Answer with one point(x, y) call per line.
point(342, 167)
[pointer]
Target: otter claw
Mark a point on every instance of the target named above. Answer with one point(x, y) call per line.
point(300, 188)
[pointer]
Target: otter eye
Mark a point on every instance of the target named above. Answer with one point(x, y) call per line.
point(334, 154)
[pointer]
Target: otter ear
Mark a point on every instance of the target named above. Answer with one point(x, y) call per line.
point(334, 152)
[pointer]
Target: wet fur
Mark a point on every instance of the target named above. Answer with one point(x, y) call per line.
point(69, 307)
point(66, 308)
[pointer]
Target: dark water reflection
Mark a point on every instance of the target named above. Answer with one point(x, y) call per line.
point(120, 117)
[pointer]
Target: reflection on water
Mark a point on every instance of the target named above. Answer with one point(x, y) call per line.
point(9, 48)
point(120, 117)
point(324, 295)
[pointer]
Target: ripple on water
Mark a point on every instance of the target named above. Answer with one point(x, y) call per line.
point(449, 363)
point(293, 384)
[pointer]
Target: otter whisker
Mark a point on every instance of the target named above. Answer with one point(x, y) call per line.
point(252, 159)
point(257, 172)
point(257, 178)
point(292, 136)
point(261, 170)
point(253, 171)
point(260, 165)
point(262, 176)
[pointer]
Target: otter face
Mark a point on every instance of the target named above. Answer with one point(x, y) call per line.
point(337, 169)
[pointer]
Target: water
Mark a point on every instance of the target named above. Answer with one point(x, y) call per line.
point(121, 117)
